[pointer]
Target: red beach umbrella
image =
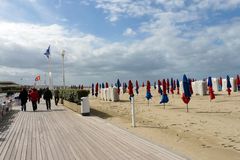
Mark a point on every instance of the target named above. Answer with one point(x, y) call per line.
point(210, 89)
point(238, 83)
point(96, 90)
point(106, 85)
point(130, 89)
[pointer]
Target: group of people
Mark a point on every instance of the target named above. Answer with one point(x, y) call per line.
point(35, 95)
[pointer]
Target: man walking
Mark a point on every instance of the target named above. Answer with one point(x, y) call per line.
point(56, 96)
point(23, 96)
point(48, 96)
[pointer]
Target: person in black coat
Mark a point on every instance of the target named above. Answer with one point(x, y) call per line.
point(23, 96)
point(48, 96)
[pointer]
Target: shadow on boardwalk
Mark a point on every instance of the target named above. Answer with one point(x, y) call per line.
point(99, 114)
point(6, 121)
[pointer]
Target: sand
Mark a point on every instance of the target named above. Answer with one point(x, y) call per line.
point(209, 131)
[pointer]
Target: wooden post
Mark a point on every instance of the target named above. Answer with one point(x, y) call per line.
point(133, 112)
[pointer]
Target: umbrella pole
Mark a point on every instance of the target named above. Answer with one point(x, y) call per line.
point(164, 105)
point(133, 112)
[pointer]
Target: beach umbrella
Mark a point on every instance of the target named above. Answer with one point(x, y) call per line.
point(220, 84)
point(143, 84)
point(118, 86)
point(148, 94)
point(159, 87)
point(155, 85)
point(172, 86)
point(106, 85)
point(229, 86)
point(168, 86)
point(190, 86)
point(178, 86)
point(210, 89)
point(238, 83)
point(130, 89)
point(164, 94)
point(186, 96)
point(100, 86)
point(92, 89)
point(96, 90)
point(103, 86)
point(137, 87)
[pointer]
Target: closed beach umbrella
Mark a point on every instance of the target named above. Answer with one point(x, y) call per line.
point(92, 89)
point(96, 90)
point(118, 86)
point(130, 89)
point(229, 86)
point(143, 84)
point(159, 87)
point(238, 83)
point(210, 89)
point(186, 96)
point(220, 84)
point(106, 84)
point(168, 86)
point(148, 94)
point(154, 85)
point(164, 94)
point(137, 87)
point(103, 86)
point(172, 86)
point(178, 86)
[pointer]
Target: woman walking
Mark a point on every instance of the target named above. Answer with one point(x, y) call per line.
point(34, 98)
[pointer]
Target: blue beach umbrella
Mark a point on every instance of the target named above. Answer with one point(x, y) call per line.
point(210, 89)
point(92, 89)
point(186, 96)
point(164, 94)
point(229, 85)
point(118, 86)
point(103, 85)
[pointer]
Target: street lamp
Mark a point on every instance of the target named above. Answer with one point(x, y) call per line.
point(63, 53)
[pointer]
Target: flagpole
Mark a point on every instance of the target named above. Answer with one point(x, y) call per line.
point(63, 53)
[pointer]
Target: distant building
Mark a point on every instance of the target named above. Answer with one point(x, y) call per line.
point(7, 86)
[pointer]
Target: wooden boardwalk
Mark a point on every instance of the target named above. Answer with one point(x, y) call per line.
point(61, 134)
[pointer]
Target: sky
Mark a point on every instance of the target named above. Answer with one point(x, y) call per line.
point(127, 39)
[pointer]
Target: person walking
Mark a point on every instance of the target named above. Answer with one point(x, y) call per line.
point(40, 95)
point(56, 96)
point(23, 96)
point(48, 96)
point(34, 98)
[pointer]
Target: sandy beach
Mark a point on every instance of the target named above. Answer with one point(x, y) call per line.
point(210, 130)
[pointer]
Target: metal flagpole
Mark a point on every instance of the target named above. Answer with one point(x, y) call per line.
point(63, 73)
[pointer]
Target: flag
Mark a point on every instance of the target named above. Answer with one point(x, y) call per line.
point(37, 78)
point(47, 53)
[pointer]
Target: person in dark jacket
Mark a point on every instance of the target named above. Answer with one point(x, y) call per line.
point(34, 98)
point(56, 96)
point(48, 96)
point(23, 96)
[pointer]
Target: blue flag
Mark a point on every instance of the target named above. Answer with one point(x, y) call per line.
point(47, 53)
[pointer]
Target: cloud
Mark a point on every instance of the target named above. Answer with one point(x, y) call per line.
point(129, 32)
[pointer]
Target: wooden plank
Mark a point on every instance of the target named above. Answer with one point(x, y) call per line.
point(62, 134)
